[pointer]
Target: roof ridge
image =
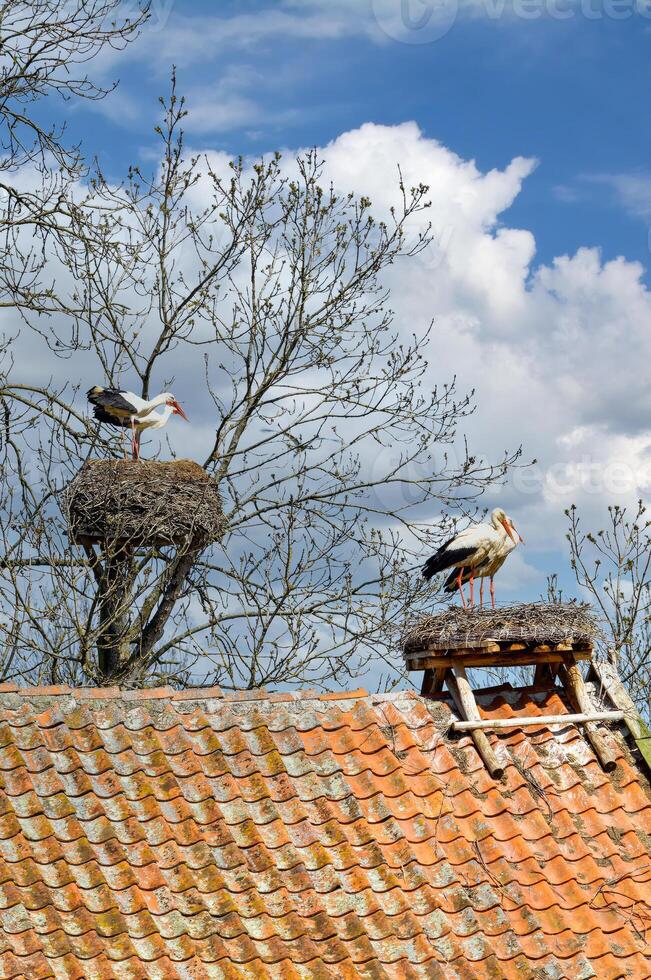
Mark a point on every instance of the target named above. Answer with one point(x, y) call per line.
point(187, 694)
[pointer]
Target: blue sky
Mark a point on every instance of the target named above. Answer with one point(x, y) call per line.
point(572, 93)
point(542, 296)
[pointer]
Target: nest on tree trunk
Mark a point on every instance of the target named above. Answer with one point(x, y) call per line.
point(144, 503)
point(540, 622)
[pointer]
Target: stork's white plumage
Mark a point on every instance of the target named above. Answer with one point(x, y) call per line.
point(128, 411)
point(486, 569)
point(478, 552)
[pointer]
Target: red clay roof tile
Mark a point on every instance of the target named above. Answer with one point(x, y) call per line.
point(206, 834)
point(342, 695)
point(198, 694)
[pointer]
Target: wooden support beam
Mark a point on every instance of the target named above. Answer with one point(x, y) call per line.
point(442, 646)
point(607, 677)
point(535, 721)
point(544, 674)
point(573, 682)
point(432, 681)
point(466, 706)
point(466, 649)
point(478, 659)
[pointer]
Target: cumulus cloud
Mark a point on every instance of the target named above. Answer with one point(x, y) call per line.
point(557, 353)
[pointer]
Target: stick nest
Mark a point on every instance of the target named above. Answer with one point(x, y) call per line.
point(538, 622)
point(144, 503)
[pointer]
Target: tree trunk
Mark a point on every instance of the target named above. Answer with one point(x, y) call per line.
point(114, 606)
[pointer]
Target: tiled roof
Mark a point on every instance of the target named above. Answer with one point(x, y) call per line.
point(153, 835)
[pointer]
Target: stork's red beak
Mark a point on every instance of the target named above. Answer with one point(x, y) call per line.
point(510, 530)
point(179, 411)
point(520, 538)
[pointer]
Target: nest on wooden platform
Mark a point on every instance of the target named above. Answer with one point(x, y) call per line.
point(532, 622)
point(136, 503)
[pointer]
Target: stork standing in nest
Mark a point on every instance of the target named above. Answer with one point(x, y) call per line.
point(478, 552)
point(126, 410)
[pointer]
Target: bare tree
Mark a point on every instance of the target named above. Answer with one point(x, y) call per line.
point(46, 46)
point(614, 566)
point(262, 288)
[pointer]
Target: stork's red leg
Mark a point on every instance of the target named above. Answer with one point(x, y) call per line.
point(472, 590)
point(481, 594)
point(460, 587)
point(492, 593)
point(134, 444)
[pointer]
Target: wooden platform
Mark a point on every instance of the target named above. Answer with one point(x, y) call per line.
point(550, 637)
point(495, 653)
point(446, 664)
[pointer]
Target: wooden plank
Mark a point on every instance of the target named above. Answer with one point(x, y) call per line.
point(530, 721)
point(573, 681)
point(496, 648)
point(466, 705)
point(455, 648)
point(607, 676)
point(522, 659)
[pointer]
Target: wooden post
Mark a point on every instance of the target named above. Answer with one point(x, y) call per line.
point(608, 678)
point(432, 681)
point(573, 681)
point(544, 675)
point(466, 706)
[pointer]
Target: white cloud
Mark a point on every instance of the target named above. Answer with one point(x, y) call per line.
point(186, 40)
point(632, 190)
point(218, 62)
point(558, 353)
point(232, 102)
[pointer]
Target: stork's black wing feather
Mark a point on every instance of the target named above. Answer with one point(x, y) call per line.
point(103, 416)
point(108, 398)
point(444, 558)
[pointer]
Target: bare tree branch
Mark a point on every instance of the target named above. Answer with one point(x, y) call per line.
point(614, 566)
point(332, 456)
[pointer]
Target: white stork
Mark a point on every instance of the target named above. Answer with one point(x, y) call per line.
point(478, 552)
point(487, 569)
point(126, 410)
